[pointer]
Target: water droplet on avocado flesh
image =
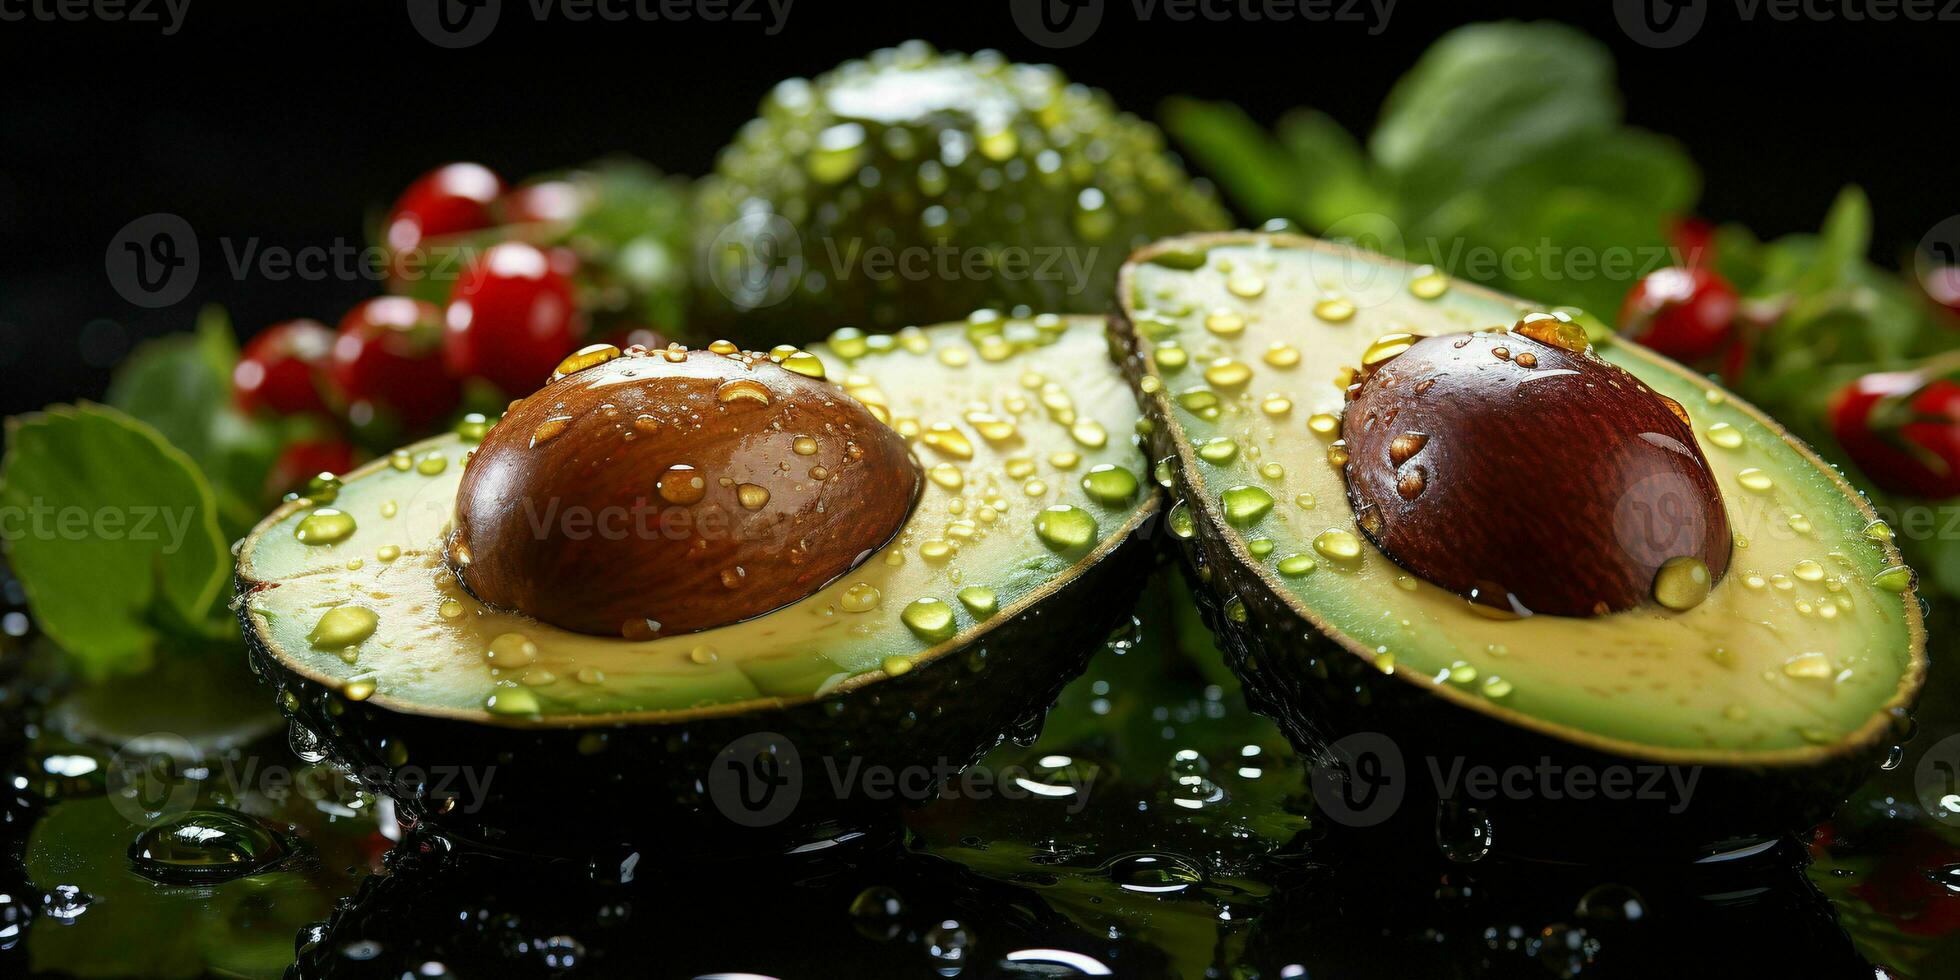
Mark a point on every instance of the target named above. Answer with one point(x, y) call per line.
point(430, 643)
point(1639, 675)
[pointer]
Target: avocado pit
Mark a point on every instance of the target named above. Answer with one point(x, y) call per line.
point(1519, 470)
point(645, 493)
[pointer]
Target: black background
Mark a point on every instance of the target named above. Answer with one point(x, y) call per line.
point(289, 122)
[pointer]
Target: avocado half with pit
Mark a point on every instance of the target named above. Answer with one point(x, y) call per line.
point(1576, 587)
point(883, 551)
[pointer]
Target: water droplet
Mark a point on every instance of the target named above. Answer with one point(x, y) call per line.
point(1681, 583)
point(804, 363)
point(585, 357)
point(929, 618)
point(681, 484)
point(1089, 433)
point(979, 601)
point(1496, 688)
point(450, 609)
point(742, 391)
point(342, 627)
point(1154, 874)
point(1808, 571)
point(549, 429)
point(1809, 665)
point(1428, 283)
point(1896, 578)
point(1324, 423)
point(945, 438)
point(803, 446)
point(1336, 544)
point(1334, 309)
point(1294, 566)
point(877, 913)
point(206, 846)
point(1245, 505)
point(1386, 348)
point(324, 526)
point(947, 942)
point(1554, 329)
point(1725, 436)
point(1109, 484)
point(1245, 285)
point(1063, 527)
point(1755, 480)
point(1281, 355)
point(1225, 323)
point(512, 701)
point(358, 688)
point(510, 651)
point(1181, 522)
point(1463, 832)
point(859, 597)
point(1227, 373)
point(753, 496)
point(1218, 450)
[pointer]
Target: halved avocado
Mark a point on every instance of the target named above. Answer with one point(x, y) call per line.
point(1776, 694)
point(1025, 538)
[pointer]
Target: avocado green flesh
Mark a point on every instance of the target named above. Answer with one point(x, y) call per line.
point(1049, 377)
point(1738, 672)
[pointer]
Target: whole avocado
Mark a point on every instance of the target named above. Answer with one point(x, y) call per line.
point(915, 186)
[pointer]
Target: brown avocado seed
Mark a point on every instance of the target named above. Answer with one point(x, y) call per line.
point(651, 493)
point(1523, 472)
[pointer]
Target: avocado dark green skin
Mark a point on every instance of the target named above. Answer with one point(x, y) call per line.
point(1321, 691)
point(555, 791)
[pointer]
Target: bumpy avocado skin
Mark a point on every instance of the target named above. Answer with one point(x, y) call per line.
point(913, 186)
point(1321, 692)
point(589, 789)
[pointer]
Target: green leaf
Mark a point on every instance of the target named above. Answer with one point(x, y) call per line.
point(1333, 172)
point(1489, 98)
point(181, 386)
point(1259, 175)
point(111, 530)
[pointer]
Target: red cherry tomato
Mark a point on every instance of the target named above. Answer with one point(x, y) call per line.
point(277, 371)
point(511, 318)
point(1903, 431)
point(388, 358)
point(1684, 313)
point(1943, 285)
point(1693, 239)
point(302, 461)
point(447, 200)
point(550, 200)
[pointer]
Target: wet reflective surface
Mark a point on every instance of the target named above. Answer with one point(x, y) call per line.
point(1155, 827)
